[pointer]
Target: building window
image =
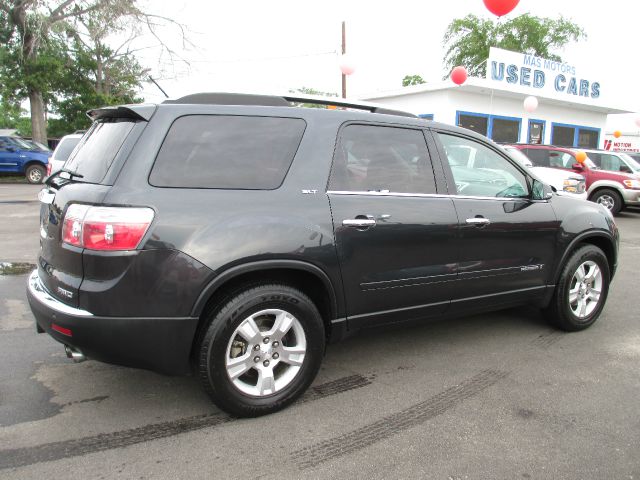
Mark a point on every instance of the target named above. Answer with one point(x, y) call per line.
point(476, 123)
point(505, 130)
point(574, 136)
point(562, 136)
point(588, 138)
point(499, 129)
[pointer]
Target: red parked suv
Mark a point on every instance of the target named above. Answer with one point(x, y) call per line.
point(614, 190)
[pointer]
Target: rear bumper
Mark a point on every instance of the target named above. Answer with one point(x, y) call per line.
point(159, 344)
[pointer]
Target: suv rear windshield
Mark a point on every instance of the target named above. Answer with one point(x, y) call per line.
point(223, 151)
point(98, 148)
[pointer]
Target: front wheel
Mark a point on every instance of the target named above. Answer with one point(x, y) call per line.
point(35, 173)
point(581, 291)
point(609, 199)
point(261, 350)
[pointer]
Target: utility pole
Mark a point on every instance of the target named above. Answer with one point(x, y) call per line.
point(344, 50)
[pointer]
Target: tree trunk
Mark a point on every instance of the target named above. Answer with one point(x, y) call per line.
point(38, 123)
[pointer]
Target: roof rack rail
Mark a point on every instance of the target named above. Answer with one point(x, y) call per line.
point(281, 101)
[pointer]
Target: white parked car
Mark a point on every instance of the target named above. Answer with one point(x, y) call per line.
point(62, 152)
point(566, 183)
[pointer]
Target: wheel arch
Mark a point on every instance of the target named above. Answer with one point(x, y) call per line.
point(598, 239)
point(308, 278)
point(34, 162)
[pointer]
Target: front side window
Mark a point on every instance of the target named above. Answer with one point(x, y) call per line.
point(227, 152)
point(372, 158)
point(479, 171)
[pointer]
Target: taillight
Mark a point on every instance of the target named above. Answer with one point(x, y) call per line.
point(49, 169)
point(105, 228)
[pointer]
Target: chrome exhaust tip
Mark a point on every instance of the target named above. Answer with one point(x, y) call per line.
point(76, 355)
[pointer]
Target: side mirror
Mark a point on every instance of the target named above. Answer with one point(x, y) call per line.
point(625, 169)
point(9, 148)
point(578, 167)
point(541, 191)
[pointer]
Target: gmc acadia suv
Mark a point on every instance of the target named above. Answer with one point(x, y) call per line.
point(235, 235)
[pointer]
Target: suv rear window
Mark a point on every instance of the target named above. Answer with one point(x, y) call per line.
point(221, 151)
point(98, 148)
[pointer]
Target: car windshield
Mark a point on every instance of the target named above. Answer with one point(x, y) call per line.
point(38, 146)
point(633, 163)
point(518, 156)
point(21, 143)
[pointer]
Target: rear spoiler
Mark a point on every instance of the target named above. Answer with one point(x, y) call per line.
point(135, 112)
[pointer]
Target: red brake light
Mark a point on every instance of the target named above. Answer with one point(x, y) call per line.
point(62, 330)
point(106, 228)
point(49, 169)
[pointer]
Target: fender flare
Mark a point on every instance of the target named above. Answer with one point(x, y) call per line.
point(237, 270)
point(571, 247)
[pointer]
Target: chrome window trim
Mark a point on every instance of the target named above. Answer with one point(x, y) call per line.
point(427, 195)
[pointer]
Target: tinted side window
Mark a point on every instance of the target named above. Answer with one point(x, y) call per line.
point(606, 161)
point(538, 156)
point(484, 173)
point(382, 159)
point(221, 151)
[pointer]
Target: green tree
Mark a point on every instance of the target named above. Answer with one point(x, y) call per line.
point(467, 40)
point(314, 92)
point(412, 80)
point(29, 27)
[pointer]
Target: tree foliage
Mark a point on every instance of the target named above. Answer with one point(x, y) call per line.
point(409, 80)
point(314, 92)
point(60, 55)
point(467, 40)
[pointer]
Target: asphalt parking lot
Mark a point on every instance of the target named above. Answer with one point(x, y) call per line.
point(495, 396)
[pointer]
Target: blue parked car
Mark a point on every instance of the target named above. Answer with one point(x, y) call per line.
point(19, 157)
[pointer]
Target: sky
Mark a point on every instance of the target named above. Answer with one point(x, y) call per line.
point(272, 47)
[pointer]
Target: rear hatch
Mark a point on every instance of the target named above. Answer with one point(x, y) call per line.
point(86, 179)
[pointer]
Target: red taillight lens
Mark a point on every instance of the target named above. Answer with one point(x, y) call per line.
point(106, 228)
point(49, 169)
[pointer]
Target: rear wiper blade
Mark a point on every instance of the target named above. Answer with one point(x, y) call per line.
point(65, 170)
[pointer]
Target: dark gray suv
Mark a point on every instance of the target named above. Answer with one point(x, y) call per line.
point(235, 235)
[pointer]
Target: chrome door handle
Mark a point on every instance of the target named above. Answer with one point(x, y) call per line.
point(478, 221)
point(358, 222)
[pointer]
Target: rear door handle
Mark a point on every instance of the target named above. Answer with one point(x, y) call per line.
point(358, 222)
point(479, 221)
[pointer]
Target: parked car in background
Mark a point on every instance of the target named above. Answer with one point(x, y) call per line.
point(62, 152)
point(18, 157)
point(565, 182)
point(37, 146)
point(613, 161)
point(235, 235)
point(614, 190)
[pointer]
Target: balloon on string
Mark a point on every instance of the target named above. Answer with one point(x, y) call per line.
point(346, 65)
point(459, 75)
point(500, 7)
point(617, 134)
point(530, 104)
point(581, 156)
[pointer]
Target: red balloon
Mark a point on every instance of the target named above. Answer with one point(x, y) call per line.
point(500, 7)
point(459, 75)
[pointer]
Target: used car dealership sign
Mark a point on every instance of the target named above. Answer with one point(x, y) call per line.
point(541, 75)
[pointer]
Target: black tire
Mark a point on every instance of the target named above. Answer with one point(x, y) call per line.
point(561, 311)
point(609, 199)
point(221, 337)
point(35, 173)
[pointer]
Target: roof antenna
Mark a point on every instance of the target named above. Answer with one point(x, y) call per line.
point(159, 87)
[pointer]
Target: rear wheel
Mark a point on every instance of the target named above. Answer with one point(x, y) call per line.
point(609, 199)
point(261, 350)
point(581, 291)
point(35, 173)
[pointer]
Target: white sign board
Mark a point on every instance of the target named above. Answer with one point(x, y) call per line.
point(539, 76)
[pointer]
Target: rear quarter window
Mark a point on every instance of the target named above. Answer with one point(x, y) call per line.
point(227, 152)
